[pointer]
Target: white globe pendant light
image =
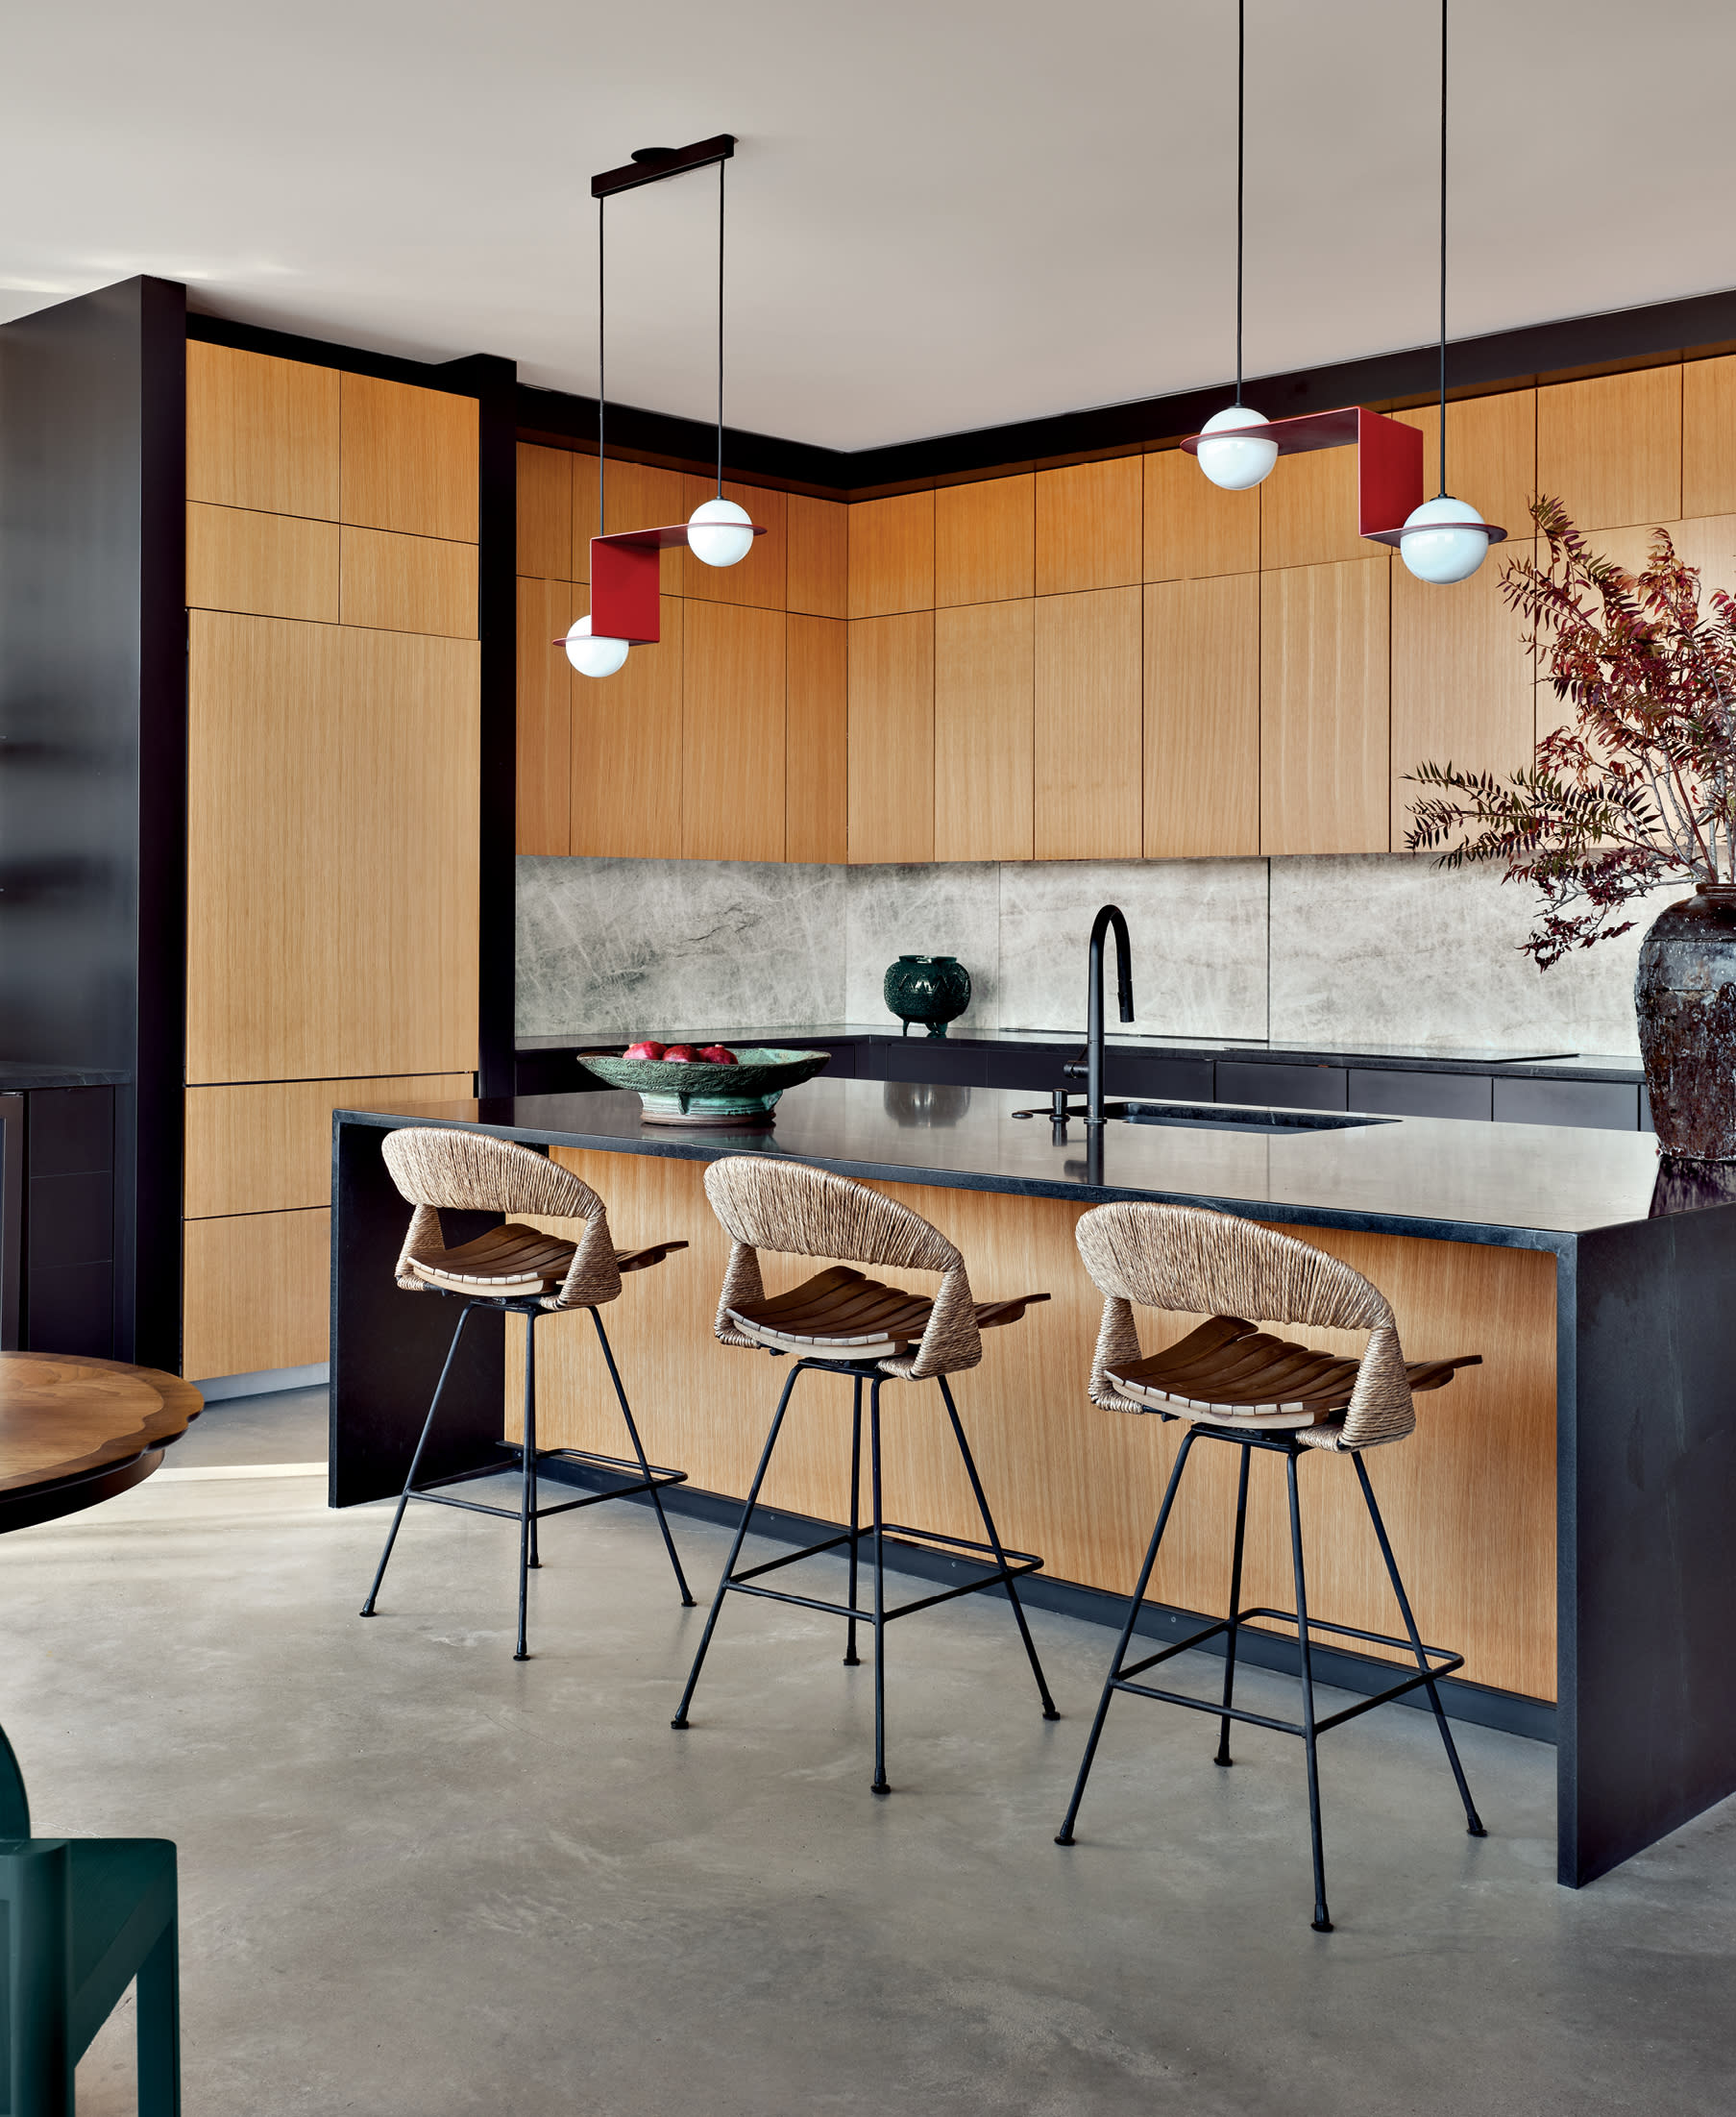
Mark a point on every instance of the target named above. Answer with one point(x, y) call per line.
point(1235, 462)
point(719, 533)
point(1444, 540)
point(594, 657)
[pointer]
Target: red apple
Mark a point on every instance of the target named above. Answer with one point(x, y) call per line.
point(680, 1054)
point(650, 1048)
point(720, 1054)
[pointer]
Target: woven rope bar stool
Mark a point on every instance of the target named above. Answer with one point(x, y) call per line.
point(516, 1268)
point(841, 1322)
point(1233, 1383)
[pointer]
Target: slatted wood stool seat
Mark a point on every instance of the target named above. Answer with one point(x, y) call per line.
point(1230, 1381)
point(531, 1273)
point(843, 1322)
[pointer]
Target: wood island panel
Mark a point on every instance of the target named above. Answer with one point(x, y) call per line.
point(1469, 1499)
point(984, 763)
point(262, 432)
point(264, 565)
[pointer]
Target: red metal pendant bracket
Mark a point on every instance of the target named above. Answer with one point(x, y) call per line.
point(625, 582)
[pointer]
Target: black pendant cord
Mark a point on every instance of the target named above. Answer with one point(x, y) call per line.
point(721, 166)
point(1442, 449)
point(602, 390)
point(1241, 48)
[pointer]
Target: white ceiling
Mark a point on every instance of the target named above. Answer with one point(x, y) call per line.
point(943, 213)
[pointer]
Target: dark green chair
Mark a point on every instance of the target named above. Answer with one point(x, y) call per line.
point(80, 1918)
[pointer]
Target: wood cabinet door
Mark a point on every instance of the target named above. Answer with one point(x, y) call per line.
point(892, 737)
point(732, 733)
point(1089, 725)
point(333, 795)
point(1325, 695)
point(1202, 717)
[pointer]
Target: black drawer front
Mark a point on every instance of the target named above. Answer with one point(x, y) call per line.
point(70, 1309)
point(72, 1221)
point(1281, 1087)
point(1598, 1105)
point(71, 1130)
point(935, 1059)
point(1422, 1094)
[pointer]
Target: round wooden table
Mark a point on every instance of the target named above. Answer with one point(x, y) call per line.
point(76, 1430)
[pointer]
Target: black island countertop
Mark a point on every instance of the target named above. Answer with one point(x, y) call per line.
point(1518, 1185)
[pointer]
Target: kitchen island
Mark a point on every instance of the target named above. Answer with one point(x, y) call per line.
point(1561, 1514)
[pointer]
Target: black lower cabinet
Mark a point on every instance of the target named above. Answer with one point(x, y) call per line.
point(1422, 1094)
point(1598, 1105)
point(67, 1294)
point(1282, 1087)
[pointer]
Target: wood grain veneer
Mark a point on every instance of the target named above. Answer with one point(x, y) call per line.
point(408, 460)
point(626, 749)
point(1202, 717)
point(985, 731)
point(332, 851)
point(267, 565)
point(639, 495)
point(543, 818)
point(1193, 528)
point(262, 433)
point(732, 733)
point(1089, 727)
point(986, 541)
point(817, 815)
point(257, 1293)
point(265, 1147)
point(1491, 457)
point(891, 680)
point(816, 557)
point(1469, 1499)
point(1709, 436)
point(760, 579)
point(1309, 511)
point(408, 583)
point(1323, 707)
point(1610, 448)
point(545, 512)
point(1088, 525)
point(892, 565)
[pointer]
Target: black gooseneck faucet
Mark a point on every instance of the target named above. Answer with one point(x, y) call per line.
point(1110, 916)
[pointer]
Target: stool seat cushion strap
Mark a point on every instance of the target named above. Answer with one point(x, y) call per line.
point(1186, 1259)
point(473, 1172)
point(799, 1211)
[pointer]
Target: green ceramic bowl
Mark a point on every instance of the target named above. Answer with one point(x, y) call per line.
point(700, 1093)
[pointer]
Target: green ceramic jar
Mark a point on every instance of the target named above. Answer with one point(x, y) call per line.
point(932, 989)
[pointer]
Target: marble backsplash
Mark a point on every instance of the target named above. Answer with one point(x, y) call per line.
point(1384, 950)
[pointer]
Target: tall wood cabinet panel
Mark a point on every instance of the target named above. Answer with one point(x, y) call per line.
point(732, 733)
point(1463, 678)
point(332, 851)
point(1089, 725)
point(1088, 526)
point(760, 578)
point(1193, 528)
point(396, 583)
point(1709, 436)
point(891, 725)
point(265, 1147)
point(584, 519)
point(892, 564)
point(984, 756)
point(408, 458)
point(545, 718)
point(1324, 709)
point(817, 557)
point(626, 749)
point(262, 433)
point(1610, 448)
point(1491, 454)
point(985, 540)
point(1308, 510)
point(637, 495)
point(257, 1292)
point(817, 739)
point(544, 513)
point(1202, 715)
point(265, 565)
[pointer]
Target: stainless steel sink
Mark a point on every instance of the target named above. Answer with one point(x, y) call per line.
point(1231, 1116)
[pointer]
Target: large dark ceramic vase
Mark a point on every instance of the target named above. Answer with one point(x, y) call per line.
point(1685, 995)
point(935, 989)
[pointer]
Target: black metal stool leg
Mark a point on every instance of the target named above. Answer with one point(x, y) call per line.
point(1322, 1921)
point(1473, 1821)
point(645, 1467)
point(851, 1658)
point(1065, 1835)
point(1223, 1755)
point(403, 1498)
point(735, 1551)
point(1000, 1557)
point(879, 1783)
point(527, 1499)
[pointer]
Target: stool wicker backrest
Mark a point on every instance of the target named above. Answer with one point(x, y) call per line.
point(471, 1172)
point(1186, 1259)
point(804, 1212)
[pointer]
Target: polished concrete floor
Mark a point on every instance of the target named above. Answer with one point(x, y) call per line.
point(420, 1880)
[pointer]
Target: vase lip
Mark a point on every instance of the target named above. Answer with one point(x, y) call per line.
point(1717, 892)
point(928, 959)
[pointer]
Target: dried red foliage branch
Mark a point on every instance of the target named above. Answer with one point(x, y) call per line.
point(1640, 789)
